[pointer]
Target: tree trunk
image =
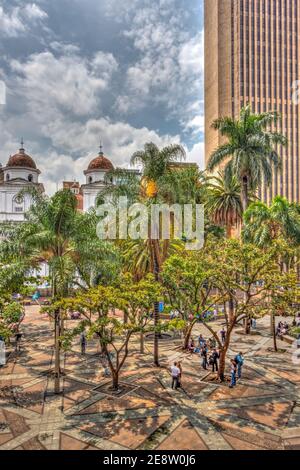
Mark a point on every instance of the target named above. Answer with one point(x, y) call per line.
point(222, 364)
point(247, 325)
point(187, 335)
point(228, 231)
point(115, 380)
point(231, 308)
point(245, 199)
point(57, 352)
point(142, 343)
point(273, 331)
point(223, 352)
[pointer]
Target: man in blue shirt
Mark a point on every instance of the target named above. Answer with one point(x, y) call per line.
point(239, 359)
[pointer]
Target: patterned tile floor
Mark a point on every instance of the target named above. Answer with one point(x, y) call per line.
point(262, 412)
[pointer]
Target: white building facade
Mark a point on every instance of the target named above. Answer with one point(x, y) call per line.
point(19, 173)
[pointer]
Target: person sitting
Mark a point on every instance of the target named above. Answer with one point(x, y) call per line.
point(191, 347)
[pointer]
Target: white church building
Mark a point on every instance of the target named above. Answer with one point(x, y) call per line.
point(21, 172)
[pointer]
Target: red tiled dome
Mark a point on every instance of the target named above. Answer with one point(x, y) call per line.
point(21, 159)
point(100, 163)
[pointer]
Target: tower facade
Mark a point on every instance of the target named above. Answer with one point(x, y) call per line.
point(19, 173)
point(252, 52)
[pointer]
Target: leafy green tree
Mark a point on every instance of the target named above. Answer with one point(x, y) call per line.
point(11, 315)
point(97, 305)
point(251, 150)
point(156, 165)
point(188, 282)
point(56, 233)
point(241, 277)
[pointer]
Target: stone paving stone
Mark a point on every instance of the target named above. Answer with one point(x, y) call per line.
point(184, 437)
point(292, 443)
point(239, 444)
point(274, 415)
point(262, 412)
point(16, 423)
point(33, 444)
point(130, 433)
point(75, 392)
point(252, 436)
point(32, 398)
point(225, 393)
point(113, 404)
point(5, 437)
point(70, 443)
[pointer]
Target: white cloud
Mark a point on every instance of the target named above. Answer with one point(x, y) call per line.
point(33, 11)
point(62, 95)
point(168, 66)
point(191, 56)
point(196, 154)
point(68, 83)
point(196, 124)
point(18, 20)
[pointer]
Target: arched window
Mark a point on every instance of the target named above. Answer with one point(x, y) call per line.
point(7, 177)
point(90, 179)
point(18, 204)
point(30, 178)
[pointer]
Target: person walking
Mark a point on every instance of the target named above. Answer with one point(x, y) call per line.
point(18, 337)
point(233, 368)
point(83, 342)
point(214, 360)
point(204, 357)
point(239, 360)
point(223, 335)
point(175, 372)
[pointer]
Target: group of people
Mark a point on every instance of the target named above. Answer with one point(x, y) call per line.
point(282, 329)
point(210, 356)
point(236, 366)
point(208, 350)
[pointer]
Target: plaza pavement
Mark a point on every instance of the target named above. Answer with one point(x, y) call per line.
point(262, 412)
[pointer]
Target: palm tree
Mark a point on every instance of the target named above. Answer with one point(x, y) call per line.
point(151, 189)
point(223, 202)
point(263, 224)
point(251, 151)
point(47, 234)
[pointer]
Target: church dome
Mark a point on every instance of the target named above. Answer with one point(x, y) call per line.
point(21, 159)
point(100, 162)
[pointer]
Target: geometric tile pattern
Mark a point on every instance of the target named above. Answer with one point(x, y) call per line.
point(262, 412)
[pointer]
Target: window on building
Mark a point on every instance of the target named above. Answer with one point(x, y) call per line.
point(18, 204)
point(30, 178)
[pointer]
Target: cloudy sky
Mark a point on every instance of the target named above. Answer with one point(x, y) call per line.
point(128, 71)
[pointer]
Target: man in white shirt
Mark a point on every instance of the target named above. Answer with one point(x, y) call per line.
point(175, 372)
